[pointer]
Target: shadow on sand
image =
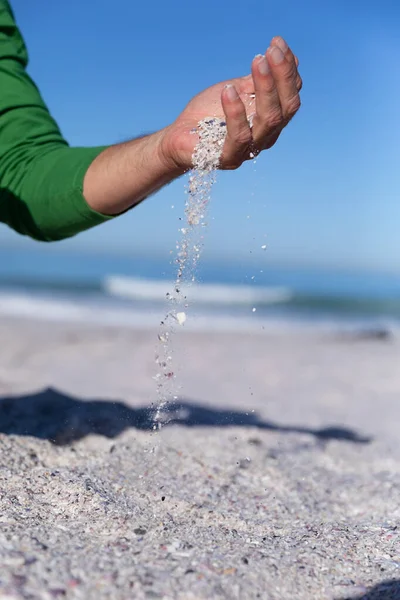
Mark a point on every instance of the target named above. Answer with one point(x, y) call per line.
point(63, 419)
point(387, 590)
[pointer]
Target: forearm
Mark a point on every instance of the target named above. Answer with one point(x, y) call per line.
point(125, 174)
point(48, 190)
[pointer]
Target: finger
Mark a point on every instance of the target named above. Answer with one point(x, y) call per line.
point(299, 83)
point(268, 115)
point(289, 56)
point(272, 139)
point(239, 137)
point(280, 43)
point(285, 75)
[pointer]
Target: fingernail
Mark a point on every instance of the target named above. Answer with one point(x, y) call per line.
point(276, 55)
point(262, 64)
point(280, 42)
point(231, 92)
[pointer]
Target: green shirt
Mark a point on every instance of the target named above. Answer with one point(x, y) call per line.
point(41, 177)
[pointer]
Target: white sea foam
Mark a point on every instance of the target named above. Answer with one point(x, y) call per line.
point(212, 294)
point(60, 309)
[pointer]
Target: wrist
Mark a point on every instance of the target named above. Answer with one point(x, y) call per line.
point(125, 174)
point(176, 158)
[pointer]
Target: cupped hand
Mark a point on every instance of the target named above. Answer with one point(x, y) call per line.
point(269, 97)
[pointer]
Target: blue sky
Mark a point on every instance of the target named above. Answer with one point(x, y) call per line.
point(328, 194)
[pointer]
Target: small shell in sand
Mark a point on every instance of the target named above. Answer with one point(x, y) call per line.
point(181, 317)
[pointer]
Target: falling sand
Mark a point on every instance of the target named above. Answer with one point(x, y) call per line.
point(206, 157)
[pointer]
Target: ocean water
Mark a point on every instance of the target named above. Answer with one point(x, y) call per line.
point(51, 284)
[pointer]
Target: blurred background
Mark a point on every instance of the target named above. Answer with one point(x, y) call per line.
point(324, 201)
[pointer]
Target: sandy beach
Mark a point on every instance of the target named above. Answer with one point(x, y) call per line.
point(278, 476)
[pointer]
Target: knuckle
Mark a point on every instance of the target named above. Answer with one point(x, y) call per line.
point(237, 112)
point(274, 119)
point(293, 106)
point(230, 162)
point(271, 141)
point(243, 137)
point(240, 136)
point(236, 151)
point(290, 73)
point(269, 86)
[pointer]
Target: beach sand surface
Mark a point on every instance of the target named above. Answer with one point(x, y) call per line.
point(277, 477)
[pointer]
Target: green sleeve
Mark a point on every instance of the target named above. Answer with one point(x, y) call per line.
point(41, 177)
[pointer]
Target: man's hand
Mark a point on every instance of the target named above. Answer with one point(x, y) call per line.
point(270, 95)
point(125, 174)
